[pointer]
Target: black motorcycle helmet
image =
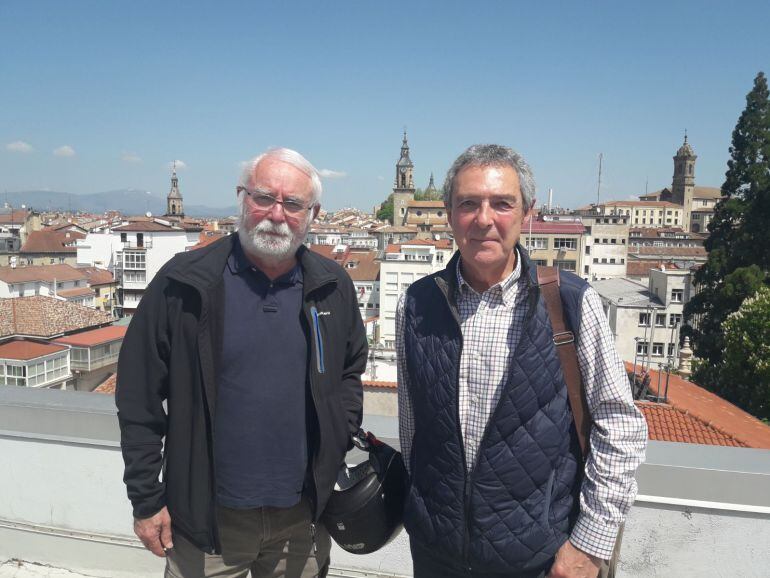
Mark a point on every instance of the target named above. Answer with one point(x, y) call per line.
point(366, 507)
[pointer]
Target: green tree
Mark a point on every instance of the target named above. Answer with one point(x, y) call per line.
point(739, 241)
point(386, 210)
point(744, 375)
point(421, 195)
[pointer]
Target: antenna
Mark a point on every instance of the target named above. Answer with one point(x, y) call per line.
point(599, 184)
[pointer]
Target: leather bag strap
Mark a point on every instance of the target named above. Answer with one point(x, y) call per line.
point(564, 340)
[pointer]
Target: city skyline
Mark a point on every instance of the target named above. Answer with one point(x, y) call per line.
point(100, 97)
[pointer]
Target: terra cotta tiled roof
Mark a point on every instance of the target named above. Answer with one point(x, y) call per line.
point(712, 410)
point(48, 273)
point(108, 385)
point(42, 316)
point(672, 424)
point(94, 336)
point(24, 350)
point(49, 241)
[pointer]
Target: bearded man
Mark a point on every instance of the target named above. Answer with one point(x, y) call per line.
point(246, 356)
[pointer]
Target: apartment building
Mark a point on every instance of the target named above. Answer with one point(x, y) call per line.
point(135, 251)
point(555, 243)
point(403, 264)
point(646, 319)
point(606, 246)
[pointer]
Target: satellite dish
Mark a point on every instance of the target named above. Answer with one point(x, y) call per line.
point(148, 214)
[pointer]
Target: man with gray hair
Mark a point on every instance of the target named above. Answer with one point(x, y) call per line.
point(498, 487)
point(240, 381)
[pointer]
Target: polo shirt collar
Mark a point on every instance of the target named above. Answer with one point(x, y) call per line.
point(238, 263)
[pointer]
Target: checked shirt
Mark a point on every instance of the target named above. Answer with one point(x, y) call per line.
point(491, 324)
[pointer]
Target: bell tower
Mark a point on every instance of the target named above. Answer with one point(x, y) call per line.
point(174, 202)
point(683, 183)
point(403, 188)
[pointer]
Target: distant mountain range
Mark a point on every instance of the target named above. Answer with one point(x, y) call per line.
point(127, 201)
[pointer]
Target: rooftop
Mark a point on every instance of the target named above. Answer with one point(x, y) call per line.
point(24, 350)
point(626, 293)
point(702, 508)
point(710, 409)
point(672, 424)
point(551, 227)
point(97, 276)
point(45, 273)
point(76, 292)
point(50, 241)
point(94, 336)
point(39, 316)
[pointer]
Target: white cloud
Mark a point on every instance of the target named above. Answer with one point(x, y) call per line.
point(330, 174)
point(180, 165)
point(19, 146)
point(380, 178)
point(128, 157)
point(64, 151)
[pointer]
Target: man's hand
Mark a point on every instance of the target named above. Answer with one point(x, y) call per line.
point(574, 563)
point(155, 532)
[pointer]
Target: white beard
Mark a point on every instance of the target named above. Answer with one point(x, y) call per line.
point(268, 241)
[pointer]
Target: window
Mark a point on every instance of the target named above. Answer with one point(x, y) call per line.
point(123, 237)
point(641, 348)
point(677, 295)
point(660, 320)
point(135, 276)
point(613, 241)
point(622, 261)
point(604, 259)
point(585, 269)
point(391, 281)
point(537, 243)
point(566, 265)
point(134, 260)
point(657, 349)
point(674, 319)
point(596, 259)
point(564, 243)
point(14, 375)
point(671, 350)
point(612, 260)
point(644, 319)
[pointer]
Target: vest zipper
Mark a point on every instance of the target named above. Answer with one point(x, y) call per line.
point(469, 475)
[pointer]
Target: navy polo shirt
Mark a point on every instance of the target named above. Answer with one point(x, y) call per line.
point(260, 440)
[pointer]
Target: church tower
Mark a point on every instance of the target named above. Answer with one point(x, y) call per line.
point(174, 202)
point(683, 184)
point(403, 189)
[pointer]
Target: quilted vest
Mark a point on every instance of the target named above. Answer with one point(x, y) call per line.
point(515, 507)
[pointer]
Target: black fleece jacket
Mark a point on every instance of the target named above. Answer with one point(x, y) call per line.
point(167, 385)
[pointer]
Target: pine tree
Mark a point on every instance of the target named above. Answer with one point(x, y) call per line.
point(739, 242)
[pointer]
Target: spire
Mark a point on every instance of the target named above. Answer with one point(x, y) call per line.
point(405, 161)
point(685, 150)
point(431, 186)
point(174, 202)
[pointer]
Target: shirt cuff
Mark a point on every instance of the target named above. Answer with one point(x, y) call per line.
point(594, 537)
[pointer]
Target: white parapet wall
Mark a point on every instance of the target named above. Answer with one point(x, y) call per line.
point(701, 511)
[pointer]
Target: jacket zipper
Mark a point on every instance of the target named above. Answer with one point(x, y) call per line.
point(319, 346)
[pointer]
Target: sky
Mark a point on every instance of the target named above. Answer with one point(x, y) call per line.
point(98, 96)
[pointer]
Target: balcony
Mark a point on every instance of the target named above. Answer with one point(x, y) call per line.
point(701, 510)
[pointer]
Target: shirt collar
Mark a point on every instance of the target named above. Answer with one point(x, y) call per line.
point(507, 286)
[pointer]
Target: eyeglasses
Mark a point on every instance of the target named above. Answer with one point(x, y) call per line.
point(265, 202)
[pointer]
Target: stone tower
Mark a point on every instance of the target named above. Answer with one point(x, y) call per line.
point(683, 184)
point(403, 189)
point(174, 202)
